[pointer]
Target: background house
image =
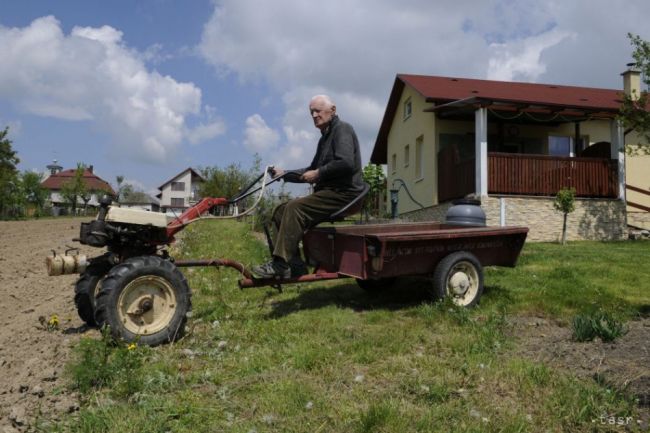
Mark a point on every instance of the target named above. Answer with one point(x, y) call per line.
point(180, 192)
point(56, 177)
point(141, 201)
point(514, 145)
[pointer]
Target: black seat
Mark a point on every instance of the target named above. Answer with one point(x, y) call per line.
point(352, 207)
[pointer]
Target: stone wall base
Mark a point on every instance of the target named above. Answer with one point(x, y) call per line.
point(639, 219)
point(593, 219)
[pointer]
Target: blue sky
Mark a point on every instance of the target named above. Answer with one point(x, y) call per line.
point(145, 89)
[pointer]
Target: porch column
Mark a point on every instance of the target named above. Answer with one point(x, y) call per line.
point(617, 150)
point(481, 161)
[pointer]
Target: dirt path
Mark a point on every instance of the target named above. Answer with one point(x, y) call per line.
point(32, 359)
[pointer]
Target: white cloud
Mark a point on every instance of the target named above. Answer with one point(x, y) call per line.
point(204, 132)
point(259, 137)
point(520, 60)
point(337, 45)
point(91, 75)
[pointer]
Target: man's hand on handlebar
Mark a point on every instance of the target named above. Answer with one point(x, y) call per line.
point(277, 172)
point(310, 176)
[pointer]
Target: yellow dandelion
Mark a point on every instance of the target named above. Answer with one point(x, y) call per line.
point(54, 321)
point(131, 346)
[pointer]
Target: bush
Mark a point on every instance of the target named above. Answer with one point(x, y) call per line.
point(600, 324)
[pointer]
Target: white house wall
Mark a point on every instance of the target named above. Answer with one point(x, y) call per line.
point(57, 197)
point(168, 194)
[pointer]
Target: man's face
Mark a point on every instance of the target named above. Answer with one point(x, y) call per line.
point(321, 113)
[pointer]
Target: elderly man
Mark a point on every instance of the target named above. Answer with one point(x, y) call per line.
point(335, 172)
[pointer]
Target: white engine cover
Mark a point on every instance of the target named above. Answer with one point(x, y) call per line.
point(135, 216)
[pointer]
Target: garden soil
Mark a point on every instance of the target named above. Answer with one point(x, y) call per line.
point(622, 365)
point(33, 358)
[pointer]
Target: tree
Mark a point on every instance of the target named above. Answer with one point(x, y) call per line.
point(137, 197)
point(120, 180)
point(634, 110)
point(374, 176)
point(220, 182)
point(124, 190)
point(75, 188)
point(35, 195)
point(87, 195)
point(565, 203)
point(228, 182)
point(9, 180)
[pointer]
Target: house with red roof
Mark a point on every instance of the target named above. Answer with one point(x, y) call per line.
point(96, 186)
point(512, 145)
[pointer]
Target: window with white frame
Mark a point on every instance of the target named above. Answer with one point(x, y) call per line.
point(178, 186)
point(408, 109)
point(178, 202)
point(564, 145)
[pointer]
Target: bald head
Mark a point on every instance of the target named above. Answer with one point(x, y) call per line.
point(322, 110)
point(324, 99)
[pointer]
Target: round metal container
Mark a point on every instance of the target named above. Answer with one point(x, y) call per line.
point(466, 212)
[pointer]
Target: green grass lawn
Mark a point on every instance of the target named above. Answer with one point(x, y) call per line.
point(328, 357)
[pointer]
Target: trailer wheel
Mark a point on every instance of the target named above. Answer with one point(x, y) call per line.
point(460, 277)
point(144, 299)
point(374, 286)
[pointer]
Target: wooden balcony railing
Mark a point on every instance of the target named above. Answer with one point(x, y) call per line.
point(545, 175)
point(522, 174)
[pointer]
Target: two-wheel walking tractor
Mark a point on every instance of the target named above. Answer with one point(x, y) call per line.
point(138, 291)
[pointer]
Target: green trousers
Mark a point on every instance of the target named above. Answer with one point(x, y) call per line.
point(294, 217)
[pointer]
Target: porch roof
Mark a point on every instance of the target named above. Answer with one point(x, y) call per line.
point(548, 112)
point(460, 96)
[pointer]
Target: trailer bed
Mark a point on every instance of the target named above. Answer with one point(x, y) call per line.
point(388, 250)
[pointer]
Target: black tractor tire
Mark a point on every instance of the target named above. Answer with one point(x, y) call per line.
point(144, 299)
point(84, 297)
point(86, 289)
point(458, 276)
point(376, 286)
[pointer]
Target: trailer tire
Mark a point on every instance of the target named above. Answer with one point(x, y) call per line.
point(86, 289)
point(459, 276)
point(144, 299)
point(375, 286)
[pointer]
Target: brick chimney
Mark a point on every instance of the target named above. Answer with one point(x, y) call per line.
point(632, 81)
point(90, 169)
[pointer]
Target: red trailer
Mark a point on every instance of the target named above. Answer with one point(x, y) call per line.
point(376, 254)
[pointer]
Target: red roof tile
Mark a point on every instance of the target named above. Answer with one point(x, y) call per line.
point(92, 181)
point(452, 89)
